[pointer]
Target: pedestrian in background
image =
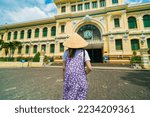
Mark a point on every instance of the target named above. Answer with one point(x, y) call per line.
point(75, 75)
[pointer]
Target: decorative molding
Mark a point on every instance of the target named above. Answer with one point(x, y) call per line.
point(87, 18)
point(74, 22)
point(111, 37)
point(102, 20)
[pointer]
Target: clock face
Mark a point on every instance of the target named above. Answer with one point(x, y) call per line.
point(87, 34)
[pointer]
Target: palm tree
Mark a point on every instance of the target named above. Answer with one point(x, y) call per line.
point(5, 46)
point(13, 46)
point(1, 43)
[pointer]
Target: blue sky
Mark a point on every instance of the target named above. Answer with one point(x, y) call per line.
point(13, 11)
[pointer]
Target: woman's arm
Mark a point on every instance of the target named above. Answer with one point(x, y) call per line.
point(89, 67)
point(64, 67)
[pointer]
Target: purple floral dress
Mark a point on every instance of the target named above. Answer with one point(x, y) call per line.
point(75, 82)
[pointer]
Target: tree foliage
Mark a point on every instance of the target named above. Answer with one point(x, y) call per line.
point(36, 57)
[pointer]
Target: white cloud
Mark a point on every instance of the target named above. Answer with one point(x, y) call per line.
point(25, 10)
point(134, 1)
point(26, 14)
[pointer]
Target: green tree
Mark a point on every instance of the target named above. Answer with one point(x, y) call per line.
point(1, 43)
point(5, 46)
point(13, 46)
point(36, 57)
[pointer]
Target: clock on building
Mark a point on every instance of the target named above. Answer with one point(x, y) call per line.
point(87, 34)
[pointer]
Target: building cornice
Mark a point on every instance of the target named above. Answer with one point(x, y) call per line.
point(28, 23)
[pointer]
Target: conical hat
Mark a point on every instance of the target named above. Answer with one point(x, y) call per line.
point(75, 41)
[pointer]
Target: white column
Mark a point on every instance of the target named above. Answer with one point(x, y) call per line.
point(39, 47)
point(98, 4)
point(124, 21)
point(32, 35)
point(140, 23)
point(109, 24)
point(18, 35)
point(25, 34)
point(12, 36)
point(47, 48)
point(40, 33)
point(48, 32)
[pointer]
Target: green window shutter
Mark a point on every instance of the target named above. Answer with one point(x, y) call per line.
point(27, 49)
point(118, 44)
point(80, 7)
point(35, 49)
point(53, 31)
point(63, 9)
point(52, 48)
point(132, 22)
point(87, 6)
point(9, 36)
point(29, 33)
point(102, 3)
point(36, 33)
point(73, 8)
point(94, 4)
point(146, 20)
point(135, 44)
point(44, 48)
point(114, 1)
point(21, 34)
point(117, 22)
point(19, 50)
point(45, 32)
point(15, 35)
point(62, 28)
point(61, 47)
point(148, 43)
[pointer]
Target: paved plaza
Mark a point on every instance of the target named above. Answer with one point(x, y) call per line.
point(47, 84)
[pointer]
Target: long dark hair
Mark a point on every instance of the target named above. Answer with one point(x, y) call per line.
point(71, 52)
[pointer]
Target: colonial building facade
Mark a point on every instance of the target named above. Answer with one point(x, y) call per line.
point(112, 28)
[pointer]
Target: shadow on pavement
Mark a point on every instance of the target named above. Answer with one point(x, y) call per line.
point(141, 78)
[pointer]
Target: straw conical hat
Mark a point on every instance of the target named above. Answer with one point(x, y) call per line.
point(75, 41)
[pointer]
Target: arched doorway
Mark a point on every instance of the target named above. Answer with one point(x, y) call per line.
point(93, 35)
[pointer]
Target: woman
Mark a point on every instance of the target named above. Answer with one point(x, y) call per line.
point(75, 79)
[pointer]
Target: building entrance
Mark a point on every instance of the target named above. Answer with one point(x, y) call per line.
point(96, 55)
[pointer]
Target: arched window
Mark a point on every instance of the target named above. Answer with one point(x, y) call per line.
point(132, 22)
point(148, 43)
point(45, 32)
point(43, 47)
point(15, 35)
point(52, 48)
point(36, 33)
point(27, 49)
point(53, 31)
point(35, 49)
point(22, 34)
point(135, 44)
point(146, 20)
point(102, 3)
point(9, 36)
point(29, 33)
point(19, 50)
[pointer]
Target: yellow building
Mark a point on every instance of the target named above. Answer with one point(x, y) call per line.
point(111, 27)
